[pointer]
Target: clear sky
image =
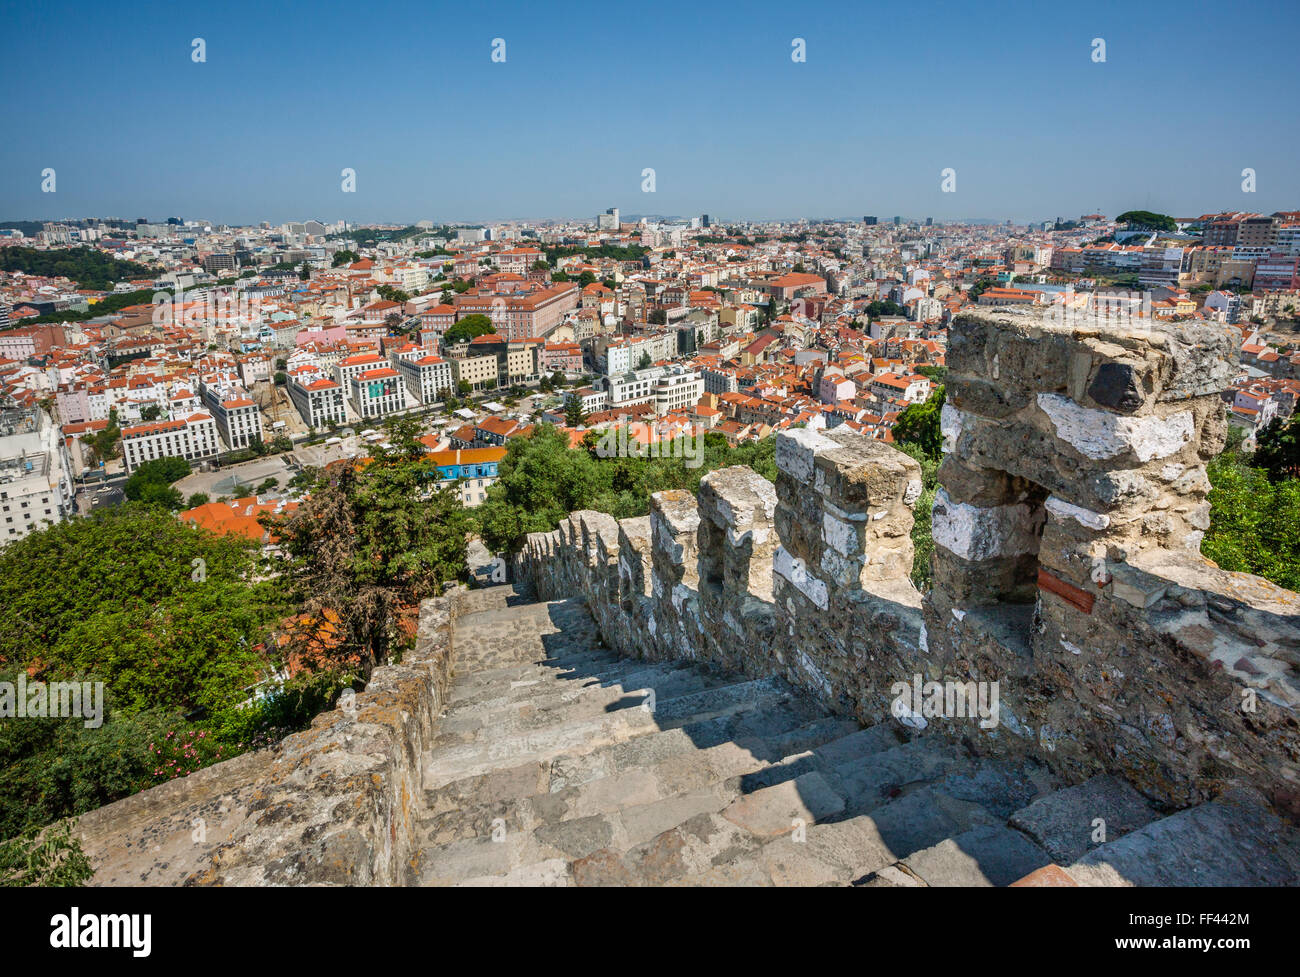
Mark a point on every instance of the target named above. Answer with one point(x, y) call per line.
point(407, 94)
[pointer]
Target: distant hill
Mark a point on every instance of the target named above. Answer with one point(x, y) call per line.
point(29, 228)
point(85, 266)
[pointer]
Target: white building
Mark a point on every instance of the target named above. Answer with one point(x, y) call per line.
point(678, 390)
point(427, 377)
point(318, 398)
point(192, 438)
point(378, 392)
point(36, 487)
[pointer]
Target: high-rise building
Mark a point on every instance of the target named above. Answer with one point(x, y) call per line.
point(870, 221)
point(704, 221)
point(929, 222)
point(897, 221)
point(608, 221)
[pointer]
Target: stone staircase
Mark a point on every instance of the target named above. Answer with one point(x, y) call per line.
point(556, 762)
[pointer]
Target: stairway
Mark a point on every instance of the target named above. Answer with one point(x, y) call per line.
point(559, 763)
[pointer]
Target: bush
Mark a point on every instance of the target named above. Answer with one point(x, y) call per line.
point(44, 858)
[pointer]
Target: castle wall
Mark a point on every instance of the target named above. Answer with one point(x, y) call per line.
point(1066, 566)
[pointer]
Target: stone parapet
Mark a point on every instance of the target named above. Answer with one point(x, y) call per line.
point(332, 805)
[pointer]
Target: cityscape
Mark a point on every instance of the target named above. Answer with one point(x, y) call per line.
point(357, 533)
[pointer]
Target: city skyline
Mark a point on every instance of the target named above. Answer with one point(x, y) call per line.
point(410, 99)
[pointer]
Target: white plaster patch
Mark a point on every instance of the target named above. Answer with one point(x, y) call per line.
point(1170, 472)
point(913, 491)
point(950, 424)
point(924, 642)
point(1099, 434)
point(1071, 648)
point(737, 539)
point(842, 536)
point(819, 680)
point(796, 574)
point(959, 615)
point(1084, 517)
point(796, 452)
point(980, 533)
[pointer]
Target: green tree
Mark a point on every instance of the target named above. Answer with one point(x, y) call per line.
point(103, 444)
point(1277, 449)
point(919, 424)
point(372, 539)
point(1146, 220)
point(151, 482)
point(197, 499)
point(342, 258)
point(1254, 521)
point(574, 415)
point(470, 327)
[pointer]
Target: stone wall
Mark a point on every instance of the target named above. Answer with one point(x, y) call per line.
point(334, 804)
point(1066, 566)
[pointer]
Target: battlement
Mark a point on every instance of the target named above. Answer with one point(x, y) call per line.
point(1066, 567)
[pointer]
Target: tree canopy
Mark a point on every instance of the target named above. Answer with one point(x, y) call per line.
point(468, 328)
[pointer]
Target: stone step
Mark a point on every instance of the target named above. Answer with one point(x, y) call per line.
point(577, 838)
point(491, 598)
point(847, 851)
point(985, 855)
point(520, 680)
point(1066, 822)
point(750, 839)
point(1233, 840)
point(538, 698)
point(583, 735)
point(459, 813)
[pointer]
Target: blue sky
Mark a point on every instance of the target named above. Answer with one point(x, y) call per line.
point(408, 96)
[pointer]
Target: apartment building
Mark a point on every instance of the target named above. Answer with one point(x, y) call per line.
point(480, 372)
point(471, 470)
point(237, 416)
point(429, 378)
point(912, 389)
point(560, 357)
point(522, 315)
point(377, 392)
point(318, 399)
point(351, 367)
point(1160, 266)
point(193, 438)
point(1277, 272)
point(36, 487)
point(634, 387)
point(627, 353)
point(680, 389)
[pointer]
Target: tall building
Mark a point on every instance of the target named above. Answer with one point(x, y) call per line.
point(36, 487)
point(870, 221)
point(897, 221)
point(608, 221)
point(705, 222)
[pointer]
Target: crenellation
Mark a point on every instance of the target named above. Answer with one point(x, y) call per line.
point(1066, 567)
